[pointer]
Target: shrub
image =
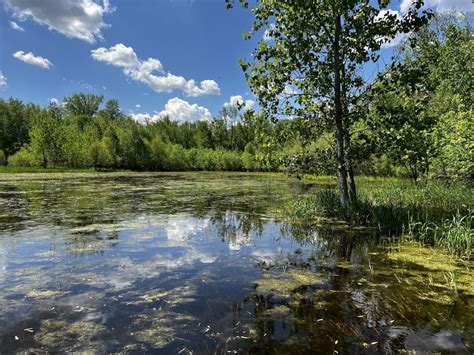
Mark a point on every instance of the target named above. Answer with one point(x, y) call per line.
point(3, 158)
point(24, 157)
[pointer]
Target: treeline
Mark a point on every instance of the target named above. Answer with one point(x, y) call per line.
point(78, 133)
point(415, 121)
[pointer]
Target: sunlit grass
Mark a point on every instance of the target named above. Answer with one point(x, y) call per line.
point(433, 214)
point(453, 234)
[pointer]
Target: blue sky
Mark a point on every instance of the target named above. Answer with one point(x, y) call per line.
point(53, 48)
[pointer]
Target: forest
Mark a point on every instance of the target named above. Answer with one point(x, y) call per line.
point(415, 120)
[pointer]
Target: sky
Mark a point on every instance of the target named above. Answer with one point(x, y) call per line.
point(157, 57)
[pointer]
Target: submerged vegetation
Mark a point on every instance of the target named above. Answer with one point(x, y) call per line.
point(144, 262)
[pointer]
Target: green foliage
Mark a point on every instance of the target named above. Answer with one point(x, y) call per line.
point(3, 158)
point(24, 158)
point(454, 139)
point(421, 113)
point(15, 122)
point(312, 66)
point(83, 104)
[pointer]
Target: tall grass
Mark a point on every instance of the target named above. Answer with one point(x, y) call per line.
point(453, 234)
point(433, 214)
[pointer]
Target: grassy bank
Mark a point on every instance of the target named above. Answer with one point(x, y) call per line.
point(433, 214)
point(40, 170)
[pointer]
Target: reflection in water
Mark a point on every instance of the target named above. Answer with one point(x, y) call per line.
point(198, 263)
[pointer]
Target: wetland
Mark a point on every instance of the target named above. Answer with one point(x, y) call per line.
point(204, 263)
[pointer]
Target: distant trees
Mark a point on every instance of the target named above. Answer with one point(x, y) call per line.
point(79, 133)
point(83, 104)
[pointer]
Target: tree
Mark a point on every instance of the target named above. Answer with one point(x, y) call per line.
point(112, 110)
point(312, 66)
point(421, 114)
point(400, 125)
point(48, 139)
point(83, 104)
point(15, 122)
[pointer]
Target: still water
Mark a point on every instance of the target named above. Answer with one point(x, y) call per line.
point(200, 263)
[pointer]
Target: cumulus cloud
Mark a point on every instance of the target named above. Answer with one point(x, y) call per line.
point(3, 79)
point(16, 26)
point(181, 111)
point(441, 5)
point(145, 72)
point(177, 110)
point(32, 59)
point(400, 37)
point(82, 19)
point(238, 100)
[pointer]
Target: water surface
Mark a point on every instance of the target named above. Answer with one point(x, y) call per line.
point(199, 263)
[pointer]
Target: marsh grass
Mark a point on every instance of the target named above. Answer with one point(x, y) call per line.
point(433, 214)
point(453, 234)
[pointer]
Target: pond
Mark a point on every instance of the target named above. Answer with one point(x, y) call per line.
point(200, 263)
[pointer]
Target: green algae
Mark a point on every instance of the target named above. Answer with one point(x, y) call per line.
point(427, 258)
point(60, 334)
point(160, 327)
point(279, 310)
point(44, 294)
point(432, 265)
point(285, 284)
point(152, 297)
point(156, 336)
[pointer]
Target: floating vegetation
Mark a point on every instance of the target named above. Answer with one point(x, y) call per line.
point(160, 327)
point(65, 335)
point(167, 263)
point(427, 258)
point(284, 285)
point(279, 311)
point(432, 267)
point(44, 294)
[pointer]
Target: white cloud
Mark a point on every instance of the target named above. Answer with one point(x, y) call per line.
point(3, 79)
point(289, 90)
point(441, 5)
point(54, 101)
point(177, 110)
point(144, 72)
point(181, 111)
point(144, 117)
point(400, 37)
point(16, 26)
point(82, 19)
point(382, 14)
point(138, 105)
point(237, 100)
point(30, 58)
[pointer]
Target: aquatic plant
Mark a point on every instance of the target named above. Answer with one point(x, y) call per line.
point(432, 215)
point(454, 234)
